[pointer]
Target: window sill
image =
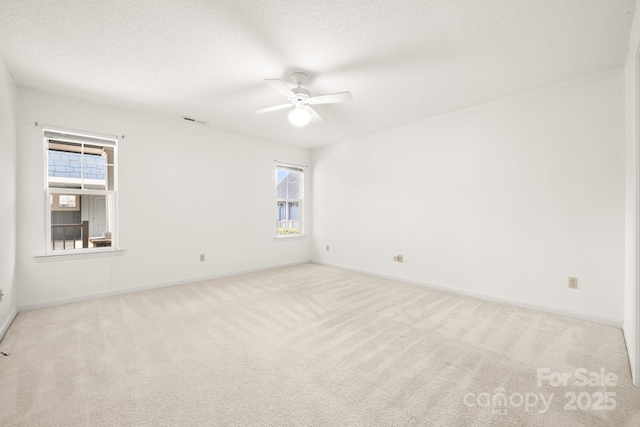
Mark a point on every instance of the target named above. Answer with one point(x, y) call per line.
point(86, 253)
point(290, 237)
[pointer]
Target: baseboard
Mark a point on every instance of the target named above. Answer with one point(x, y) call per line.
point(135, 289)
point(629, 341)
point(614, 323)
point(5, 326)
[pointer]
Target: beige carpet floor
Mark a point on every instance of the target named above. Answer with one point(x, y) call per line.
point(308, 346)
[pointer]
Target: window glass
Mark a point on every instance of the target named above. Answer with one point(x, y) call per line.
point(289, 182)
point(81, 177)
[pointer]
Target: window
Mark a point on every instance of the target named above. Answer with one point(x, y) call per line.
point(289, 184)
point(66, 201)
point(81, 184)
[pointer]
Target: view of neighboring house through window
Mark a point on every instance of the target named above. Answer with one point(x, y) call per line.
point(81, 190)
point(289, 187)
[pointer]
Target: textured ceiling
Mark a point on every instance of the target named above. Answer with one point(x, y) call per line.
point(402, 60)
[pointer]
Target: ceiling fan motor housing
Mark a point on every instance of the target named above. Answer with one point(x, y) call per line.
point(301, 95)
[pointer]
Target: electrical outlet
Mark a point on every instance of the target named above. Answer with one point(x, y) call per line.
point(398, 258)
point(327, 248)
point(573, 282)
point(201, 257)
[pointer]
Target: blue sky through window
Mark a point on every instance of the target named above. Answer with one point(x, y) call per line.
point(282, 174)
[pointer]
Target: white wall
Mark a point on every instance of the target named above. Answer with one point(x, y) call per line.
point(184, 190)
point(632, 296)
point(8, 203)
point(504, 200)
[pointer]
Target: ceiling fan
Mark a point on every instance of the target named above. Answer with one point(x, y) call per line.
point(301, 100)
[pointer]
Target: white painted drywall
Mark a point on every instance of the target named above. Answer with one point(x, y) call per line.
point(505, 200)
point(184, 190)
point(8, 200)
point(631, 326)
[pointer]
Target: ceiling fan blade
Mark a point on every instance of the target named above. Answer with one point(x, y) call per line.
point(280, 87)
point(269, 109)
point(331, 98)
point(313, 112)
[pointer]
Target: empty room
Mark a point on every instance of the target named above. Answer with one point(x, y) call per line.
point(305, 213)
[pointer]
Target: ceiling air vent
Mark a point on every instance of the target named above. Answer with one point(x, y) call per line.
point(192, 120)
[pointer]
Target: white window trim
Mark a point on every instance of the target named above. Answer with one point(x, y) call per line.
point(75, 136)
point(290, 237)
point(79, 254)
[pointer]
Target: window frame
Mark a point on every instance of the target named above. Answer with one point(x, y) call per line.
point(299, 200)
point(55, 133)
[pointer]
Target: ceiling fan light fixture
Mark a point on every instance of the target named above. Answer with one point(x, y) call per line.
point(299, 116)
